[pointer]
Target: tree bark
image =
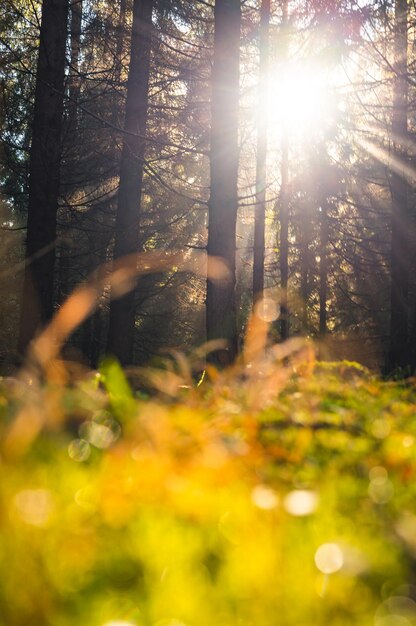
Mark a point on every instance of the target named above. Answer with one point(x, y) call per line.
point(74, 80)
point(399, 352)
point(305, 265)
point(260, 207)
point(323, 269)
point(284, 206)
point(223, 203)
point(122, 311)
point(44, 170)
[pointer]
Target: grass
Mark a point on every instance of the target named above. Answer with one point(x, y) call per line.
point(281, 492)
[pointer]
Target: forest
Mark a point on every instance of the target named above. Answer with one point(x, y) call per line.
point(276, 137)
point(208, 305)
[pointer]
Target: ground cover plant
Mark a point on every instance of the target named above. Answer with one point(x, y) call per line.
point(280, 493)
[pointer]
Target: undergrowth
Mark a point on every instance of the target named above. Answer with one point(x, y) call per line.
point(279, 492)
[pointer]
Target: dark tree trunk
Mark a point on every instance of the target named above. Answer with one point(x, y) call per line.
point(45, 155)
point(323, 269)
point(284, 206)
point(74, 80)
point(260, 208)
point(122, 311)
point(284, 239)
point(223, 203)
point(399, 352)
point(305, 267)
point(70, 141)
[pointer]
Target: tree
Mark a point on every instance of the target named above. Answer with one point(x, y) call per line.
point(223, 202)
point(399, 353)
point(122, 311)
point(284, 204)
point(261, 158)
point(45, 154)
point(74, 80)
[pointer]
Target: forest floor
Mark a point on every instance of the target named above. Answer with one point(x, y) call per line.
point(274, 494)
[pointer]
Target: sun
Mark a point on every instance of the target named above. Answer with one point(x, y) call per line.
point(299, 99)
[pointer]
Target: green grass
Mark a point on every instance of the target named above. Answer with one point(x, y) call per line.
point(284, 499)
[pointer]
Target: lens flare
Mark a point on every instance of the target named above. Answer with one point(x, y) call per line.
point(329, 558)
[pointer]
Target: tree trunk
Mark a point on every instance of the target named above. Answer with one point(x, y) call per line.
point(284, 239)
point(323, 269)
point(223, 203)
point(74, 80)
point(122, 311)
point(45, 154)
point(64, 252)
point(305, 266)
point(399, 352)
point(260, 208)
point(284, 204)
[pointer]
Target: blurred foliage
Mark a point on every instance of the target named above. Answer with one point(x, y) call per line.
point(210, 505)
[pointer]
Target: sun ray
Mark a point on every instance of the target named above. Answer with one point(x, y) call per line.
point(387, 158)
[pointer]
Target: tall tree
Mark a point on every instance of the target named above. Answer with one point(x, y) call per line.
point(223, 203)
point(261, 158)
point(122, 311)
point(38, 290)
point(399, 354)
point(323, 267)
point(284, 201)
point(74, 79)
